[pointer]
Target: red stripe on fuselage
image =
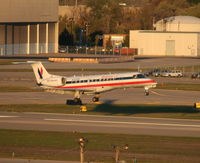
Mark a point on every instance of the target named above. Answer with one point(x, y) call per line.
point(110, 84)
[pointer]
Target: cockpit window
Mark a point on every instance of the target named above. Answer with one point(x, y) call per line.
point(140, 76)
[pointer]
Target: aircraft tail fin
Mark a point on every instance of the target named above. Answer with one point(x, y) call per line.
point(39, 71)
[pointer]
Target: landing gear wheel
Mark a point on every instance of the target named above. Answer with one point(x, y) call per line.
point(95, 99)
point(78, 101)
point(146, 93)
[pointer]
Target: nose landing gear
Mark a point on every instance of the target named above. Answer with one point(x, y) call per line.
point(146, 91)
point(95, 99)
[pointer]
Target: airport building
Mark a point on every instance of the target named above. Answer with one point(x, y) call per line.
point(173, 36)
point(28, 27)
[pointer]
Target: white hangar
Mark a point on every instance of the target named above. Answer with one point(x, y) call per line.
point(28, 27)
point(174, 36)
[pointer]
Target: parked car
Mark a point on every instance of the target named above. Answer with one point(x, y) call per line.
point(165, 73)
point(195, 75)
point(172, 73)
point(155, 72)
point(62, 49)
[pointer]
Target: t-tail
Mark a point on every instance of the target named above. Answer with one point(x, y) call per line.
point(40, 72)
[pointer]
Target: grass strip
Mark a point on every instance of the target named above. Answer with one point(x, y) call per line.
point(72, 70)
point(19, 89)
point(64, 146)
point(175, 86)
point(167, 86)
point(157, 111)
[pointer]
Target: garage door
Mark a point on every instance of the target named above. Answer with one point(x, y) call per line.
point(170, 47)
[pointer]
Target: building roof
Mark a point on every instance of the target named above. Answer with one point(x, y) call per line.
point(181, 19)
point(178, 32)
point(28, 11)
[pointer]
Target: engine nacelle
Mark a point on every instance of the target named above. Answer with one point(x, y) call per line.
point(54, 82)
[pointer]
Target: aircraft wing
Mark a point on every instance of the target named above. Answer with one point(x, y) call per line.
point(70, 91)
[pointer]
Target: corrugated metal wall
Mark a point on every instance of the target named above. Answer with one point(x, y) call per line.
point(28, 11)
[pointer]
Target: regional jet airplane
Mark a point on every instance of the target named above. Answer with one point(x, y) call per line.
point(91, 84)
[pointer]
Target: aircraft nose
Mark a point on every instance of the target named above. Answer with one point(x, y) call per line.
point(153, 81)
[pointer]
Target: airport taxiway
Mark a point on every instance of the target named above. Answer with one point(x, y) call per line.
point(100, 124)
point(118, 96)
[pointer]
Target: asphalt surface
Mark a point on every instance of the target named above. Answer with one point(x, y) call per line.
point(140, 63)
point(100, 124)
point(128, 96)
point(118, 96)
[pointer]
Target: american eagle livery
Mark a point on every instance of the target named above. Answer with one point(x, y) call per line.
point(90, 84)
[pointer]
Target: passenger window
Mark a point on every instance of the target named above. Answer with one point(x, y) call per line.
point(140, 76)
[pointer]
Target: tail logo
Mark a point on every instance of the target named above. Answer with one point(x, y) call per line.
point(40, 72)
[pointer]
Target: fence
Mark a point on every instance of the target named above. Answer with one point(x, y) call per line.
point(97, 50)
point(22, 49)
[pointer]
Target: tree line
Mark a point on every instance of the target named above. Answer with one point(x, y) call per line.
point(100, 17)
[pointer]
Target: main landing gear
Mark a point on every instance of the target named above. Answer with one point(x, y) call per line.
point(75, 101)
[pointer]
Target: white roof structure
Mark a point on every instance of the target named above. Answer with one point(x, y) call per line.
point(179, 23)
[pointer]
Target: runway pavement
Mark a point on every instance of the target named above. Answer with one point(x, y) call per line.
point(119, 96)
point(100, 124)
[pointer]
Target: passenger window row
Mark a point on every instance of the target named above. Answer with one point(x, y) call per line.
point(107, 79)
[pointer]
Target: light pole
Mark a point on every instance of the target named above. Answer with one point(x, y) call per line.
point(82, 141)
point(86, 33)
point(117, 151)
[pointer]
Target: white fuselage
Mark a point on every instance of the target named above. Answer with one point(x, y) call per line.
point(106, 82)
point(92, 84)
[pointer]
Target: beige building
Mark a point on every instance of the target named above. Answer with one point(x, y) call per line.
point(113, 40)
point(174, 36)
point(28, 27)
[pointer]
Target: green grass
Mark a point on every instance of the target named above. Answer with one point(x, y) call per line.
point(157, 111)
point(193, 68)
point(72, 70)
point(64, 146)
point(169, 86)
point(173, 86)
point(19, 89)
point(10, 61)
point(5, 63)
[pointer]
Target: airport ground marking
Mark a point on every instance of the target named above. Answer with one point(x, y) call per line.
point(106, 116)
point(7, 116)
point(129, 123)
point(158, 93)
